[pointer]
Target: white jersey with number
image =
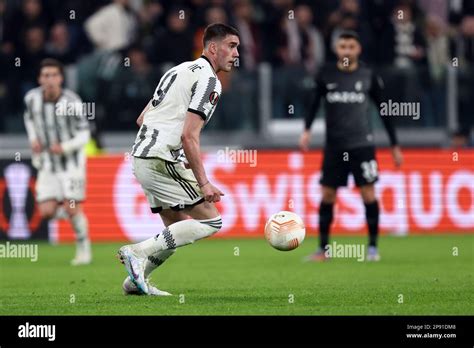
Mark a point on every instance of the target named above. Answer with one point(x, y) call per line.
point(64, 122)
point(61, 122)
point(191, 86)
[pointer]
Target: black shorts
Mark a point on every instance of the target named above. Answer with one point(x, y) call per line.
point(337, 164)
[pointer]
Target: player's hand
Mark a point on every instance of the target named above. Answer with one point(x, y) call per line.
point(211, 193)
point(397, 156)
point(36, 146)
point(304, 140)
point(56, 149)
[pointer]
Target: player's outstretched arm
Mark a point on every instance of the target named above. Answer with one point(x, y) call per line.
point(305, 137)
point(79, 140)
point(191, 146)
point(377, 94)
point(30, 130)
point(396, 150)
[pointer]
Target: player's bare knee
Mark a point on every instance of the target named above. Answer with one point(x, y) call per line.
point(203, 211)
point(47, 210)
point(47, 214)
point(329, 199)
point(329, 195)
point(368, 193)
point(170, 217)
point(369, 199)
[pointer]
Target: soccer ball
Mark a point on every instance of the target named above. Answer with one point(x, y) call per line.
point(285, 230)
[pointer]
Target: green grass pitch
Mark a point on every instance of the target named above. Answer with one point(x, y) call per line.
point(207, 278)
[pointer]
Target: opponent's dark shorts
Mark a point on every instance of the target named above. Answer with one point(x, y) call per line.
point(337, 164)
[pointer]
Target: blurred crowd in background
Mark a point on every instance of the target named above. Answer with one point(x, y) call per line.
point(117, 50)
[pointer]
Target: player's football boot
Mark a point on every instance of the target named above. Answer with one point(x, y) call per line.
point(318, 256)
point(129, 288)
point(135, 266)
point(83, 253)
point(373, 254)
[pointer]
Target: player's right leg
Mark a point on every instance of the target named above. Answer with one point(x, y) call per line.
point(326, 209)
point(205, 222)
point(47, 209)
point(154, 261)
point(326, 213)
point(168, 217)
point(173, 187)
point(176, 235)
point(334, 173)
point(48, 194)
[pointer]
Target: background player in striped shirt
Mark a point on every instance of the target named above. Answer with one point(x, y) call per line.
point(167, 158)
point(58, 131)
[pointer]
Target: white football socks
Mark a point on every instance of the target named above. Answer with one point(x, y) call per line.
point(80, 226)
point(61, 213)
point(156, 260)
point(179, 234)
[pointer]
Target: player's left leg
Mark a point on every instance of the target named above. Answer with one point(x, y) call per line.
point(80, 226)
point(73, 189)
point(157, 259)
point(365, 170)
point(372, 216)
point(169, 217)
point(205, 221)
point(325, 220)
point(48, 194)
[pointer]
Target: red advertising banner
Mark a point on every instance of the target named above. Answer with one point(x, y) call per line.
point(433, 192)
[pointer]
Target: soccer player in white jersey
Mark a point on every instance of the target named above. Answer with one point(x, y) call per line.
point(58, 130)
point(167, 159)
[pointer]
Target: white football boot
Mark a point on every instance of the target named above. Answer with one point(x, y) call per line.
point(83, 253)
point(129, 288)
point(135, 266)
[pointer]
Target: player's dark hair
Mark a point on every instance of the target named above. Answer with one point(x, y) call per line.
point(218, 31)
point(48, 62)
point(349, 34)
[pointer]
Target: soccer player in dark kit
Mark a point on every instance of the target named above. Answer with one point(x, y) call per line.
point(346, 88)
